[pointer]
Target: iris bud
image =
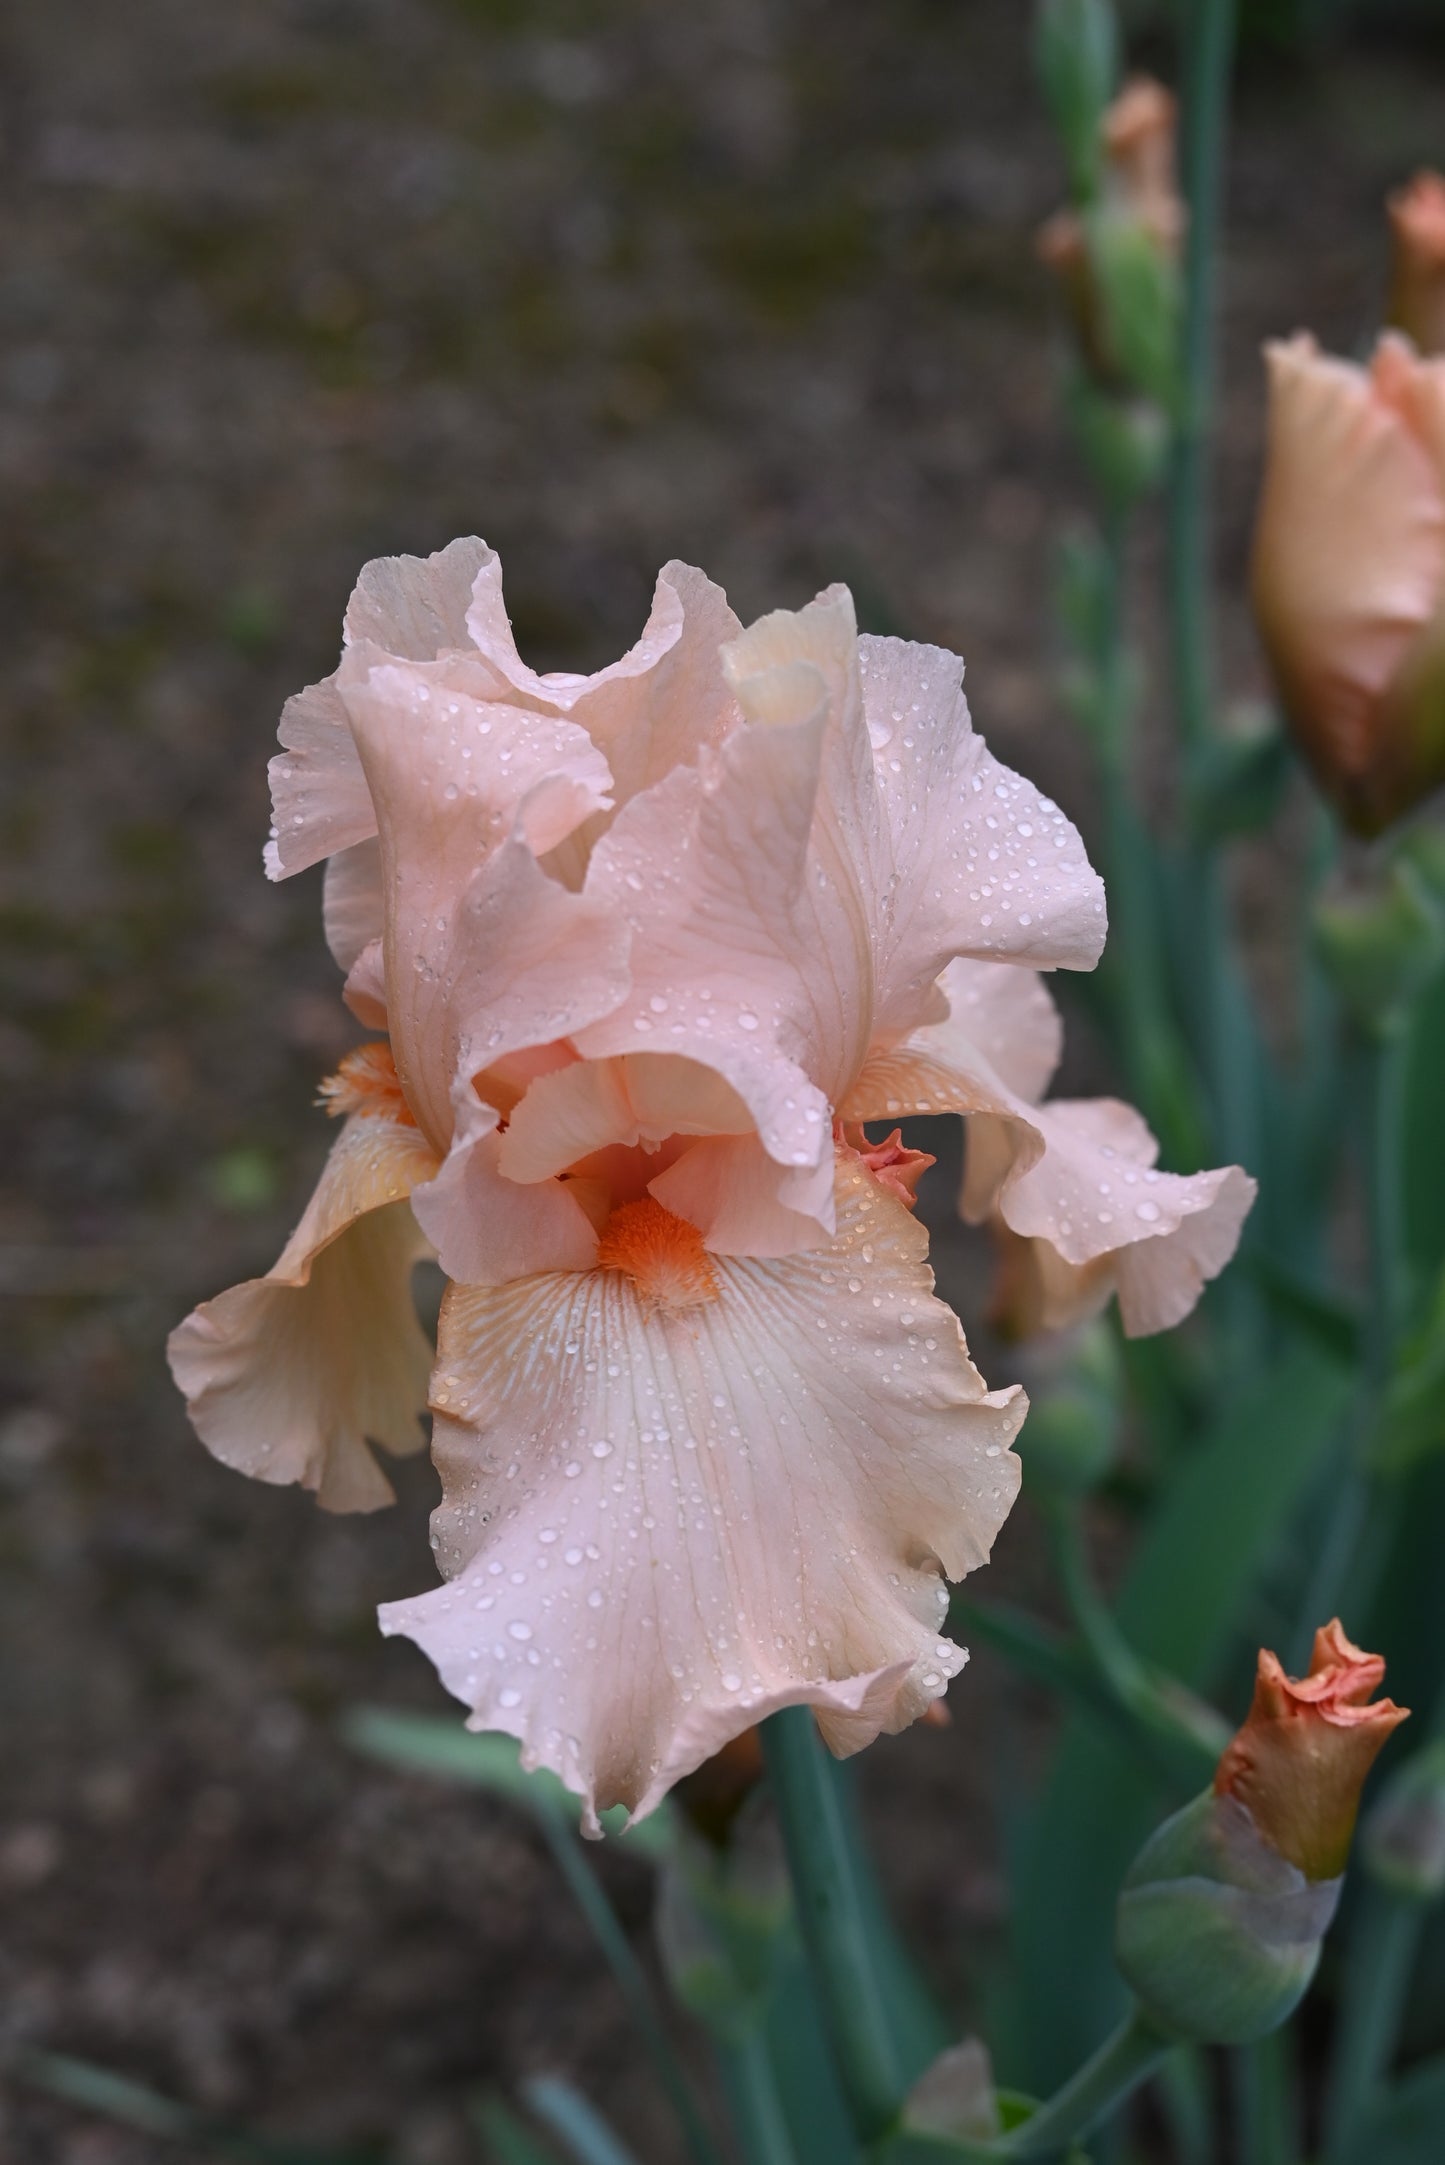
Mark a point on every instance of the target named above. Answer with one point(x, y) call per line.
point(1221, 1916)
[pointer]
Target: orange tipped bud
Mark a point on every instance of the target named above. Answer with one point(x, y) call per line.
point(1417, 271)
point(1299, 1762)
point(1116, 259)
point(1349, 571)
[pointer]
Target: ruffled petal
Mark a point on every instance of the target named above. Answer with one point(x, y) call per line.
point(631, 1098)
point(974, 861)
point(1093, 1193)
point(468, 795)
point(524, 964)
point(409, 606)
point(664, 1522)
point(743, 1202)
point(652, 710)
point(1077, 1175)
point(707, 868)
point(286, 1377)
point(1000, 1018)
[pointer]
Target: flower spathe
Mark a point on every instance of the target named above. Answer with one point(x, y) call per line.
point(648, 950)
point(1299, 1762)
point(1349, 570)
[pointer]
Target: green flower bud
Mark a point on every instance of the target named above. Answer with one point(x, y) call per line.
point(1403, 1837)
point(1380, 941)
point(1216, 1932)
point(1071, 1437)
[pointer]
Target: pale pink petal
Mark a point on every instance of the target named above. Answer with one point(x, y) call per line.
point(524, 963)
point(1001, 1027)
point(1095, 1193)
point(743, 1202)
point(287, 1376)
point(973, 859)
point(1076, 1174)
point(652, 710)
point(631, 1098)
point(487, 1229)
point(707, 868)
point(1161, 1279)
point(352, 909)
point(468, 794)
point(409, 606)
point(662, 1523)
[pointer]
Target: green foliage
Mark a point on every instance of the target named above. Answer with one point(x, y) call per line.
point(1076, 53)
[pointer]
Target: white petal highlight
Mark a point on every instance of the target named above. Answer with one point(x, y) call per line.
point(663, 1523)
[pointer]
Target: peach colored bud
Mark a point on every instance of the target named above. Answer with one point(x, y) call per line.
point(1299, 1762)
point(1417, 269)
point(1139, 133)
point(1138, 192)
point(1349, 570)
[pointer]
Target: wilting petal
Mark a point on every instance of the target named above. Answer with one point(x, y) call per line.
point(287, 1376)
point(468, 794)
point(667, 1520)
point(413, 607)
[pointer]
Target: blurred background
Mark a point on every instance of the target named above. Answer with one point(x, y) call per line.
point(299, 282)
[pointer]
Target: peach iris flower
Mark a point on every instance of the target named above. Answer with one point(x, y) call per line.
point(1299, 1762)
point(649, 948)
point(1349, 570)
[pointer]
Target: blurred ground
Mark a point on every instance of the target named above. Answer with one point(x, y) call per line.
point(288, 285)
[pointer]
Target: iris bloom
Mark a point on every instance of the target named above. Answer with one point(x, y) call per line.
point(1349, 570)
point(650, 949)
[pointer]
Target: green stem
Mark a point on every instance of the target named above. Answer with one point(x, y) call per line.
point(1264, 2100)
point(1208, 51)
point(1152, 1055)
point(763, 2133)
point(1377, 1977)
point(832, 1918)
point(1353, 1547)
point(1098, 2089)
point(1387, 1076)
point(588, 1894)
point(1175, 1716)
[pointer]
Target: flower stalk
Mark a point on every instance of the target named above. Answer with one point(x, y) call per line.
point(1101, 2085)
point(832, 1919)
